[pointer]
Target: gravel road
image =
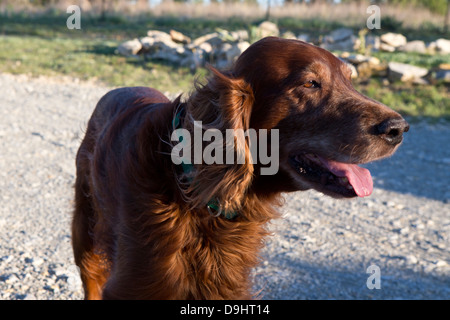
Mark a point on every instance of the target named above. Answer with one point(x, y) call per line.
point(321, 249)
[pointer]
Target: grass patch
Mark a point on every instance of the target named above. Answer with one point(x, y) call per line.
point(421, 60)
point(113, 27)
point(96, 59)
point(118, 26)
point(411, 100)
point(42, 45)
point(88, 59)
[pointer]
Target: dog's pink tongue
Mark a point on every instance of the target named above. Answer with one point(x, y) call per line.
point(358, 177)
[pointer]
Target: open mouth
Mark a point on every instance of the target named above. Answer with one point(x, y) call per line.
point(332, 177)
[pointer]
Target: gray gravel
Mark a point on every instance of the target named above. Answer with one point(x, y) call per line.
point(321, 249)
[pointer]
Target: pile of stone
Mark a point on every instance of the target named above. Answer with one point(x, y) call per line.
point(364, 67)
point(391, 42)
point(344, 39)
point(222, 48)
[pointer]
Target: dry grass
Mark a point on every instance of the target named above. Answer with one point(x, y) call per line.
point(353, 13)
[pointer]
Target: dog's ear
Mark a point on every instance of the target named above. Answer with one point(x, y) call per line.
point(235, 99)
point(226, 103)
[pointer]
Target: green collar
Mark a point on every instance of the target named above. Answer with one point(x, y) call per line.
point(213, 206)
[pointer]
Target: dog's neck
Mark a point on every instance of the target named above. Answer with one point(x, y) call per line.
point(213, 206)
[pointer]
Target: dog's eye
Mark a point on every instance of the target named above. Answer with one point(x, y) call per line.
point(312, 84)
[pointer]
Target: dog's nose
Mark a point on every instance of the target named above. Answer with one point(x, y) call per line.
point(391, 130)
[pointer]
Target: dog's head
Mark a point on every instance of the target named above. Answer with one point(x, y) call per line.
point(326, 128)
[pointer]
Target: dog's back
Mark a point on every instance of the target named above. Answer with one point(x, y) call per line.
point(119, 111)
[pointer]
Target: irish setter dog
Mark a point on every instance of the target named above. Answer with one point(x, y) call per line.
point(143, 227)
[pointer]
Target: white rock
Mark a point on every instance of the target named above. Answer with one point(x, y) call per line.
point(390, 204)
point(206, 47)
point(431, 47)
point(357, 58)
point(205, 38)
point(394, 39)
point(178, 37)
point(386, 47)
point(37, 262)
point(267, 29)
point(443, 46)
point(240, 35)
point(129, 48)
point(288, 35)
point(147, 42)
point(405, 72)
point(414, 46)
point(441, 263)
point(7, 259)
point(158, 40)
point(12, 279)
point(159, 35)
point(237, 50)
point(411, 259)
point(354, 71)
